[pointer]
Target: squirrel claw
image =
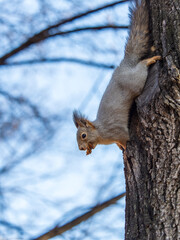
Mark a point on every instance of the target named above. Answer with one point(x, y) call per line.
point(88, 151)
point(151, 60)
point(122, 147)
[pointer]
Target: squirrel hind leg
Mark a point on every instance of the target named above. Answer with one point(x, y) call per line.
point(151, 60)
point(122, 147)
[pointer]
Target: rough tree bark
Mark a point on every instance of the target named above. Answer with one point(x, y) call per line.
point(152, 160)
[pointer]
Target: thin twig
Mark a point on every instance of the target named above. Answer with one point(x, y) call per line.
point(61, 59)
point(90, 28)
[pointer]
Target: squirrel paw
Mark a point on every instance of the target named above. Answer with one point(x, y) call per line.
point(153, 49)
point(89, 149)
point(152, 60)
point(122, 147)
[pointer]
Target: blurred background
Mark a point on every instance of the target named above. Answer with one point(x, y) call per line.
point(57, 56)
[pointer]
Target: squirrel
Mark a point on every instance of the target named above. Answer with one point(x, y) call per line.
point(127, 82)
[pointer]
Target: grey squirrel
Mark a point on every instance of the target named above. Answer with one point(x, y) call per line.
point(127, 82)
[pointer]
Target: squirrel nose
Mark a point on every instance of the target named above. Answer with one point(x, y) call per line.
point(81, 148)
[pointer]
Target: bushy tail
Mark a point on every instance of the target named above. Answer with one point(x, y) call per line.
point(138, 41)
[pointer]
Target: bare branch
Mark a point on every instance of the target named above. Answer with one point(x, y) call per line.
point(17, 161)
point(44, 34)
point(88, 29)
point(9, 225)
point(24, 101)
point(14, 124)
point(59, 230)
point(62, 59)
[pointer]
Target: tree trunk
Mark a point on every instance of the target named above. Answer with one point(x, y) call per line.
point(152, 160)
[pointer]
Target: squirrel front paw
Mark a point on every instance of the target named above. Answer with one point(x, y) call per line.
point(151, 60)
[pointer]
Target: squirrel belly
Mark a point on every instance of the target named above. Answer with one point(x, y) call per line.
point(127, 82)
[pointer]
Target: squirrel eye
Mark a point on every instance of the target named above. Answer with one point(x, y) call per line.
point(83, 135)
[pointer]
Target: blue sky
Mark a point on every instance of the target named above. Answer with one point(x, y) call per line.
point(61, 178)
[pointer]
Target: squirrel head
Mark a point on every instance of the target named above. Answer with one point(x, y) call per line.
point(87, 134)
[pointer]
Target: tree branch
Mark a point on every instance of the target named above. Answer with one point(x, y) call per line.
point(24, 101)
point(44, 34)
point(62, 59)
point(87, 29)
point(11, 226)
point(59, 230)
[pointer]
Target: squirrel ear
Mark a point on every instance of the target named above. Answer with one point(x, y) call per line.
point(81, 121)
point(77, 119)
point(89, 124)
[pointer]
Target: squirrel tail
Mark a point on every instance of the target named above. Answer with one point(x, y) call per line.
point(137, 45)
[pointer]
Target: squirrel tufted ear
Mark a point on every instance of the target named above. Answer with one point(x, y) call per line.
point(77, 119)
point(81, 121)
point(89, 124)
